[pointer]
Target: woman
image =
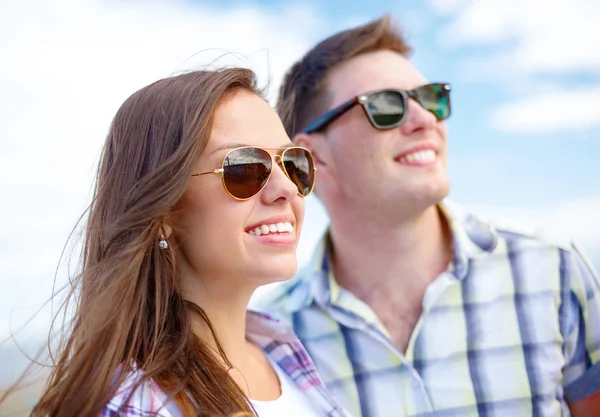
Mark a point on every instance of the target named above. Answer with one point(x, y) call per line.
point(198, 201)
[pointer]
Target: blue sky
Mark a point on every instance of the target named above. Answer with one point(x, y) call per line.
point(536, 165)
point(524, 139)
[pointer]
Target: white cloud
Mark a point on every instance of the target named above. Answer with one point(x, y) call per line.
point(552, 111)
point(547, 35)
point(446, 7)
point(527, 43)
point(67, 66)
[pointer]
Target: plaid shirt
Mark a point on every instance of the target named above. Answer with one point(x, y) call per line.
point(274, 337)
point(512, 328)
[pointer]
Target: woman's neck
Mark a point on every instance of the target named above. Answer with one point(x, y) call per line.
point(225, 309)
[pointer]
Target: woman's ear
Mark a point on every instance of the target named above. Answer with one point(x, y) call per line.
point(165, 231)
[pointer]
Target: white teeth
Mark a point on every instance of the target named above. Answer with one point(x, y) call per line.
point(420, 156)
point(265, 229)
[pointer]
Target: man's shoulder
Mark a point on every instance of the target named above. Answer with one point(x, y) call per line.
point(524, 229)
point(530, 235)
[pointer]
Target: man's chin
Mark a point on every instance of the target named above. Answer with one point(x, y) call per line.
point(416, 200)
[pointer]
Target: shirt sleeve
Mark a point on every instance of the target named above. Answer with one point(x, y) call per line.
point(581, 325)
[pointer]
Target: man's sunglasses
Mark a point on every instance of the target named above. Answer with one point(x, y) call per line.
point(387, 109)
point(246, 170)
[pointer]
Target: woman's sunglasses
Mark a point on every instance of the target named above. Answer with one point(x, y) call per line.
point(386, 109)
point(246, 170)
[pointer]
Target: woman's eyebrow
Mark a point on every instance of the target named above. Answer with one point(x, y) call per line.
point(228, 146)
point(241, 145)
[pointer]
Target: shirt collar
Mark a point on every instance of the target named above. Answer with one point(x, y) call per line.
point(262, 328)
point(472, 238)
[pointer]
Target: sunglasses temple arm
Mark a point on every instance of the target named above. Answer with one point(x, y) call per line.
point(330, 116)
point(216, 171)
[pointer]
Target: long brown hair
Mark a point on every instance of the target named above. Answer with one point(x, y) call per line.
point(129, 311)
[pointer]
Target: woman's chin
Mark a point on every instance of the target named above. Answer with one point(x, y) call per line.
point(278, 271)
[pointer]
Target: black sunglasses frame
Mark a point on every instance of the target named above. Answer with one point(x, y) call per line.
point(326, 119)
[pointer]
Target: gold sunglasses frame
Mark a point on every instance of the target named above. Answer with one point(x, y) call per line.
point(277, 159)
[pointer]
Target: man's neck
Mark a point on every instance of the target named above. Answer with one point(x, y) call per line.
point(382, 264)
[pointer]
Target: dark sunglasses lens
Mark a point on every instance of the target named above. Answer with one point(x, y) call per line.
point(299, 165)
point(435, 98)
point(246, 171)
point(386, 108)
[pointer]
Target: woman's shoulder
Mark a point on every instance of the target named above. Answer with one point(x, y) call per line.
point(138, 396)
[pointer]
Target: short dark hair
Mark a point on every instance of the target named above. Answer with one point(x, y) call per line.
point(302, 95)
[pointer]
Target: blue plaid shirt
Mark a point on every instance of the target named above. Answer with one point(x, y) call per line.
point(512, 328)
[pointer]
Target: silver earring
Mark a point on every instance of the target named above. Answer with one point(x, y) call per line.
point(163, 244)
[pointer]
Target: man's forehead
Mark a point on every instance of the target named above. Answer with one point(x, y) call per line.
point(370, 72)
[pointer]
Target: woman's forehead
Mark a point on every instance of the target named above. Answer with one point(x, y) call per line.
point(246, 119)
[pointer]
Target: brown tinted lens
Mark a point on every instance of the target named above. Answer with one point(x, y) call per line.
point(299, 166)
point(386, 108)
point(246, 171)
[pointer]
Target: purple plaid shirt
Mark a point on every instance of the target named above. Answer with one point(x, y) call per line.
point(275, 338)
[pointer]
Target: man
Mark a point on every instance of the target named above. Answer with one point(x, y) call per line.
point(410, 306)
